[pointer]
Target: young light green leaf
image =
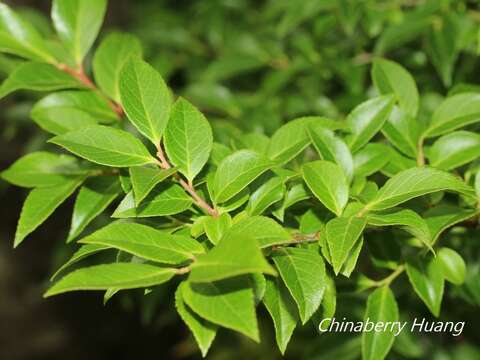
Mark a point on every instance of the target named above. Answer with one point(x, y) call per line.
point(105, 145)
point(188, 139)
point(289, 140)
point(403, 131)
point(120, 276)
point(146, 242)
point(266, 231)
point(351, 262)
point(392, 78)
point(203, 331)
point(327, 181)
point(166, 199)
point(236, 172)
point(37, 76)
point(60, 120)
point(453, 265)
point(454, 149)
point(80, 254)
point(19, 37)
point(233, 256)
point(266, 195)
point(370, 159)
point(331, 148)
point(215, 227)
point(281, 308)
point(40, 169)
point(415, 182)
point(228, 303)
point(144, 179)
point(367, 119)
point(381, 308)
point(145, 98)
point(77, 23)
point(341, 236)
point(92, 199)
point(303, 272)
point(427, 280)
point(454, 112)
point(41, 203)
point(295, 194)
point(110, 57)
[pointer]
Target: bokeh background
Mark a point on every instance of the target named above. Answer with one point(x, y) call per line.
point(249, 64)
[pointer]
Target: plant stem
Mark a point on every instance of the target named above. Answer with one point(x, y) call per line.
point(388, 280)
point(164, 164)
point(420, 155)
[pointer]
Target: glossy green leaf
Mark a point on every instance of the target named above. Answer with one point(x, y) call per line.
point(92, 199)
point(77, 23)
point(454, 149)
point(392, 78)
point(117, 275)
point(426, 277)
point(281, 308)
point(60, 120)
point(266, 195)
point(442, 217)
point(415, 182)
point(351, 262)
point(327, 181)
point(146, 98)
point(105, 145)
point(228, 303)
point(233, 256)
point(341, 236)
point(146, 242)
point(188, 139)
point(303, 272)
point(367, 119)
point(453, 265)
point(381, 308)
point(144, 179)
point(403, 131)
point(110, 57)
point(236, 172)
point(370, 159)
point(215, 227)
point(41, 203)
point(289, 140)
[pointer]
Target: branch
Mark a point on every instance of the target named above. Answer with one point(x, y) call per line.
point(420, 156)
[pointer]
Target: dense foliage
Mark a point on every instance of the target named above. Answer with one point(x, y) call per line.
point(376, 199)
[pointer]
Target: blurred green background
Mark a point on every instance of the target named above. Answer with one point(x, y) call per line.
point(250, 65)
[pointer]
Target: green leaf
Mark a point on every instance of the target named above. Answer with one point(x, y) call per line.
point(144, 179)
point(454, 149)
point(41, 203)
point(351, 262)
point(370, 159)
point(215, 227)
point(341, 236)
point(105, 145)
point(38, 77)
point(188, 139)
point(77, 23)
point(110, 57)
point(303, 272)
point(453, 265)
point(329, 302)
point(120, 276)
point(426, 277)
point(266, 195)
point(92, 199)
point(233, 256)
point(442, 217)
point(328, 183)
point(332, 148)
point(145, 98)
point(60, 120)
point(40, 169)
point(19, 37)
point(289, 140)
point(381, 308)
point(477, 184)
point(454, 112)
point(367, 119)
point(146, 242)
point(265, 231)
point(203, 331)
point(83, 252)
point(392, 78)
point(228, 303)
point(295, 194)
point(236, 172)
point(166, 199)
point(415, 182)
point(279, 305)
point(403, 131)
